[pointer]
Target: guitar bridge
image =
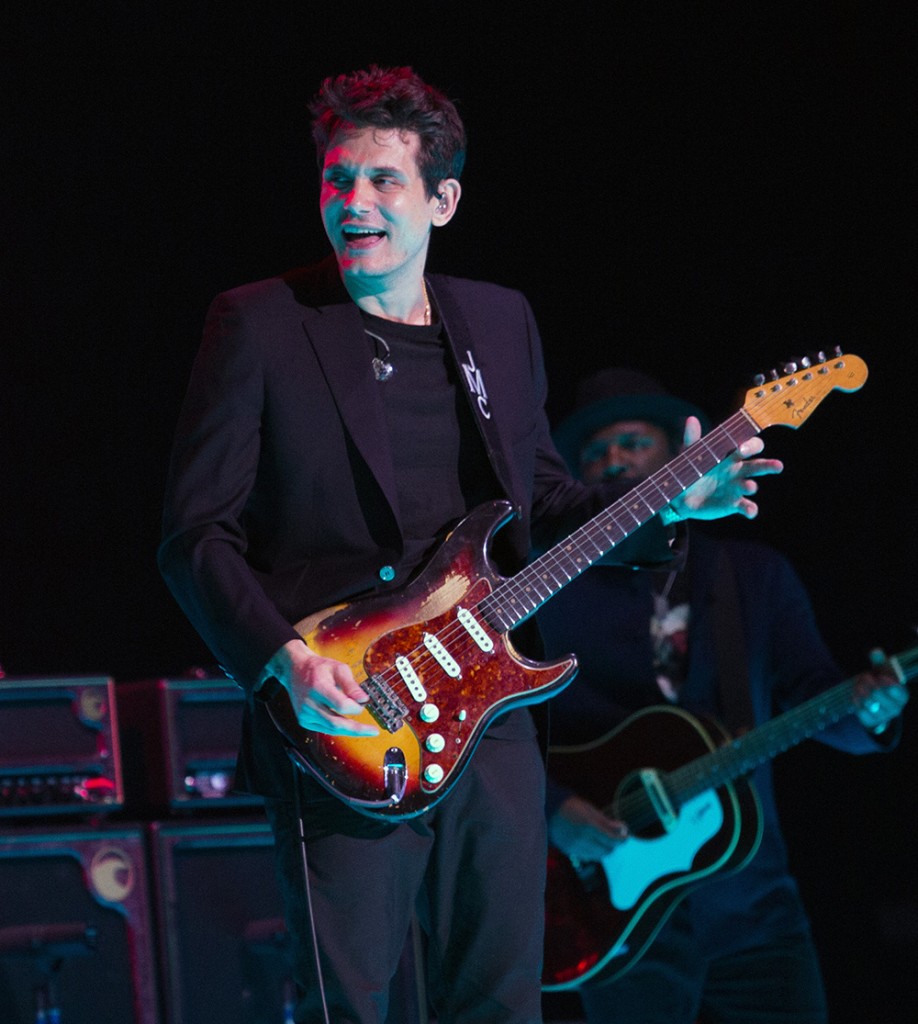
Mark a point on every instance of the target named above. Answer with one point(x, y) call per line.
point(385, 704)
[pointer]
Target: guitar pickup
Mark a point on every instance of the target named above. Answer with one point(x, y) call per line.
point(445, 660)
point(410, 678)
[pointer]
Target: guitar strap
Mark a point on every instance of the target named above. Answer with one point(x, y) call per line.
point(459, 337)
point(730, 650)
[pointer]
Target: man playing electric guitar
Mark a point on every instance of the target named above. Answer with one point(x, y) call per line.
point(731, 637)
point(340, 420)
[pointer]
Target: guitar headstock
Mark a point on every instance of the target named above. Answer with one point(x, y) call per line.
point(789, 400)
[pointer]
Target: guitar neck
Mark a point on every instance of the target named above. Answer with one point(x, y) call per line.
point(762, 744)
point(515, 600)
point(789, 400)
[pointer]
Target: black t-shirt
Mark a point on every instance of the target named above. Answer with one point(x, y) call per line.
point(441, 467)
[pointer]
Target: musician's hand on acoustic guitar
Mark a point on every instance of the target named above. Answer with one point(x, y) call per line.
point(582, 832)
point(323, 692)
point(727, 488)
point(880, 693)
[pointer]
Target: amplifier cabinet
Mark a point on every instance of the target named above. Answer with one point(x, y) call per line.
point(223, 942)
point(59, 746)
point(76, 927)
point(179, 738)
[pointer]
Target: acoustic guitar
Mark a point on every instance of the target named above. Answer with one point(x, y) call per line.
point(680, 784)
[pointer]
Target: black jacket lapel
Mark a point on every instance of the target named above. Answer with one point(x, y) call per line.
point(336, 334)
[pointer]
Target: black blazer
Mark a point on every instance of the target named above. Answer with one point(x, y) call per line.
point(281, 497)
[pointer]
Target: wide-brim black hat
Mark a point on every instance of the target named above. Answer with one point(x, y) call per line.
point(619, 393)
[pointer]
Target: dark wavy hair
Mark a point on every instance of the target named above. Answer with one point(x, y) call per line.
point(393, 98)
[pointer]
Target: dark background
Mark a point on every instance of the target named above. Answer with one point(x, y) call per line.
point(700, 190)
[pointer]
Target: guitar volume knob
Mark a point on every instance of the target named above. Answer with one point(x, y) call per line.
point(429, 713)
point(433, 773)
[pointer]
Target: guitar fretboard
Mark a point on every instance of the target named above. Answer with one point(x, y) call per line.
point(515, 600)
point(742, 755)
point(767, 741)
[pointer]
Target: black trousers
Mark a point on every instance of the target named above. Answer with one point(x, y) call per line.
point(473, 870)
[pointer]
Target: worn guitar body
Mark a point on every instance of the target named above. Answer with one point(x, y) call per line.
point(600, 917)
point(436, 721)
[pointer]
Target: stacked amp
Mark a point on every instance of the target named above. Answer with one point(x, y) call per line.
point(136, 886)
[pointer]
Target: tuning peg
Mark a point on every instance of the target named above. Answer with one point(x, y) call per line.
point(805, 362)
point(758, 380)
point(820, 356)
point(789, 367)
point(773, 374)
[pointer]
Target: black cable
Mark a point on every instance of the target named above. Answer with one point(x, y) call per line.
point(307, 889)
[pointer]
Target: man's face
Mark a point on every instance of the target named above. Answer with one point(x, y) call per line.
point(376, 212)
point(632, 449)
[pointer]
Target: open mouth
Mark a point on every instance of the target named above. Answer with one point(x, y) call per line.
point(361, 236)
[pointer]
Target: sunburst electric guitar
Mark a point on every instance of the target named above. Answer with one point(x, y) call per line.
point(435, 657)
point(680, 784)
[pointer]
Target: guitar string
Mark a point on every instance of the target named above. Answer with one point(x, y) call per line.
point(490, 601)
point(774, 736)
point(496, 598)
point(615, 514)
point(554, 559)
point(705, 772)
point(792, 727)
point(517, 589)
point(453, 629)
